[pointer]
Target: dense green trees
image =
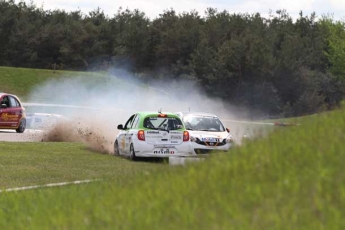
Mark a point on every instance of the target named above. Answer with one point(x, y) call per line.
point(274, 65)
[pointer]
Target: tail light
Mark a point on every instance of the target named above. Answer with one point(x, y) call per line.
point(185, 136)
point(141, 135)
point(162, 115)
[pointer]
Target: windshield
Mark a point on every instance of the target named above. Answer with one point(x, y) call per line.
point(163, 123)
point(203, 123)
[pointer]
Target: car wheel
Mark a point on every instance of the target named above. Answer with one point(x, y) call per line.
point(116, 148)
point(21, 127)
point(132, 155)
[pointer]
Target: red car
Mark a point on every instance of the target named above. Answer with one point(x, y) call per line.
point(12, 113)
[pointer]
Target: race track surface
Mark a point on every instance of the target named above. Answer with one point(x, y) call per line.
point(29, 135)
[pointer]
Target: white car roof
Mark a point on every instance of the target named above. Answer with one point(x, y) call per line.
point(197, 114)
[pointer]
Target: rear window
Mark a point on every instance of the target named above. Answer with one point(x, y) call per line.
point(163, 123)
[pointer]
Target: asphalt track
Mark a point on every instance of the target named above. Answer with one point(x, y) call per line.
point(34, 135)
point(29, 135)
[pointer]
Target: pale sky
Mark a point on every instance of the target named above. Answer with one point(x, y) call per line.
point(152, 8)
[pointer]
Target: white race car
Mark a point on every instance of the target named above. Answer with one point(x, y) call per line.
point(43, 121)
point(207, 132)
point(152, 134)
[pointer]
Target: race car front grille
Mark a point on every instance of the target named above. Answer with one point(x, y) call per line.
point(211, 144)
point(203, 151)
point(207, 151)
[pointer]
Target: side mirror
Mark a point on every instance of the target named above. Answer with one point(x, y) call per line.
point(3, 106)
point(120, 127)
point(228, 130)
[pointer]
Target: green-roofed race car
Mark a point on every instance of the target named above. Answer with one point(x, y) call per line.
point(152, 134)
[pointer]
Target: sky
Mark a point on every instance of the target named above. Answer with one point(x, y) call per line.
point(152, 8)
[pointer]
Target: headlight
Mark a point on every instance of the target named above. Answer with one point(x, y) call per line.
point(229, 140)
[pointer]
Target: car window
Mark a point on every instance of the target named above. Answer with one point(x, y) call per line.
point(5, 101)
point(14, 102)
point(129, 122)
point(134, 122)
point(162, 123)
point(203, 123)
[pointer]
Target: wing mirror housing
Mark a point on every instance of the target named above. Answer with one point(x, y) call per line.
point(120, 127)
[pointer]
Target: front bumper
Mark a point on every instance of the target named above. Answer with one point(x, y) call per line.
point(206, 149)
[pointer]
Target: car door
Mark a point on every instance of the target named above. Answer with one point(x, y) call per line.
point(122, 136)
point(129, 132)
point(16, 111)
point(3, 111)
point(10, 112)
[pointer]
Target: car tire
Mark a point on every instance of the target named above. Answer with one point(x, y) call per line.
point(22, 126)
point(116, 148)
point(132, 155)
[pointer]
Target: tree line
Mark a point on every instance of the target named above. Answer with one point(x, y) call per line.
point(273, 65)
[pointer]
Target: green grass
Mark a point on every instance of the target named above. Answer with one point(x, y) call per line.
point(25, 164)
point(293, 178)
point(21, 81)
point(290, 178)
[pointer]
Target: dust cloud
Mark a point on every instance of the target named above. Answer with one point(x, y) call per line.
point(95, 104)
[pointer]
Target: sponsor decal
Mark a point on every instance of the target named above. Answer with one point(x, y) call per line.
point(163, 146)
point(175, 132)
point(164, 151)
point(8, 117)
point(174, 137)
point(154, 136)
point(123, 143)
point(210, 139)
point(153, 132)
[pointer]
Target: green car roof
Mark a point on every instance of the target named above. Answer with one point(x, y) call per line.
point(144, 114)
point(148, 113)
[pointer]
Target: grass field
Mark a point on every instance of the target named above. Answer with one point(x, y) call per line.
point(25, 164)
point(21, 81)
point(291, 178)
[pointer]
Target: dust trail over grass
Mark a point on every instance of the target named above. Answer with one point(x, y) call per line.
point(113, 99)
point(96, 135)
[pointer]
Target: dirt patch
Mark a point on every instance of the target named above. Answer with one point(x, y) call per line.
point(62, 132)
point(94, 133)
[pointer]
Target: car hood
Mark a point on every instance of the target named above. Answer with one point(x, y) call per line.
point(203, 134)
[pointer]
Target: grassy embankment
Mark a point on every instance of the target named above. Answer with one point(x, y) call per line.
point(21, 81)
point(291, 179)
